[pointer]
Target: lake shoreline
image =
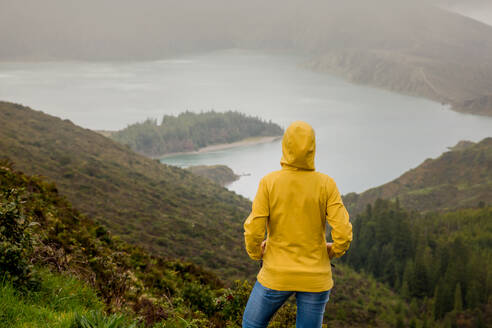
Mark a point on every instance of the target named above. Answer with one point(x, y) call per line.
point(245, 142)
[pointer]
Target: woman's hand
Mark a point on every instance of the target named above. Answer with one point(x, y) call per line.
point(330, 250)
point(263, 246)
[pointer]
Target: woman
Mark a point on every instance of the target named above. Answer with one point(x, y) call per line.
point(293, 205)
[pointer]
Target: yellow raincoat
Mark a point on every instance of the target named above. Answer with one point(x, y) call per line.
point(293, 205)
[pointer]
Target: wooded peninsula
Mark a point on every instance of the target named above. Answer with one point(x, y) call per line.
point(190, 131)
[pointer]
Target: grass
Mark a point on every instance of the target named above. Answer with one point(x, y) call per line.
point(60, 301)
point(57, 301)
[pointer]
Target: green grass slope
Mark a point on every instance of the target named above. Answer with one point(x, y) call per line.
point(165, 209)
point(461, 177)
point(53, 305)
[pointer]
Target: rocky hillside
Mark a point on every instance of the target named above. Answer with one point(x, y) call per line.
point(461, 177)
point(165, 209)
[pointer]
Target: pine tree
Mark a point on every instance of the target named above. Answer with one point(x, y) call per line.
point(440, 300)
point(404, 291)
point(408, 278)
point(472, 296)
point(399, 322)
point(421, 278)
point(414, 307)
point(458, 299)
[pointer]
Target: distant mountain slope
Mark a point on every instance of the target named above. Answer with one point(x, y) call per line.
point(461, 177)
point(405, 46)
point(168, 210)
point(412, 48)
point(190, 131)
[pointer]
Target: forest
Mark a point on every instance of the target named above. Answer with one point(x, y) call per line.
point(439, 262)
point(190, 131)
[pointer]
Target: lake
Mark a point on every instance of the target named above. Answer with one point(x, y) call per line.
point(365, 136)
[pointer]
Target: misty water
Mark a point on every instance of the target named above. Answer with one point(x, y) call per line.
point(365, 136)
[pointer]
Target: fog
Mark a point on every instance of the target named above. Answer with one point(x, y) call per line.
point(150, 29)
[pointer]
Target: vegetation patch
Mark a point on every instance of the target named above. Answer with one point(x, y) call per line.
point(220, 174)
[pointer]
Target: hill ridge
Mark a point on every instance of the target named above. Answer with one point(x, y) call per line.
point(460, 177)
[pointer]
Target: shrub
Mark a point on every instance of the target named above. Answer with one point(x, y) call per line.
point(15, 239)
point(232, 302)
point(199, 297)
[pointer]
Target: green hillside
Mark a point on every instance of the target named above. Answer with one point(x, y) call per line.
point(461, 177)
point(165, 209)
point(72, 265)
point(59, 268)
point(191, 131)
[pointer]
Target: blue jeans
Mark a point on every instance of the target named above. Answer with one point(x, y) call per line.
point(264, 302)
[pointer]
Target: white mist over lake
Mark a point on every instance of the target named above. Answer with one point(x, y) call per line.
point(365, 136)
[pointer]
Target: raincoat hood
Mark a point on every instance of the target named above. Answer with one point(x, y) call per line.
point(298, 146)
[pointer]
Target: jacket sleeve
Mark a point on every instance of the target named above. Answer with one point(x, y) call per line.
point(255, 224)
point(338, 218)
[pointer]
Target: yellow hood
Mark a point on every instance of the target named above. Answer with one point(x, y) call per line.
point(299, 146)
